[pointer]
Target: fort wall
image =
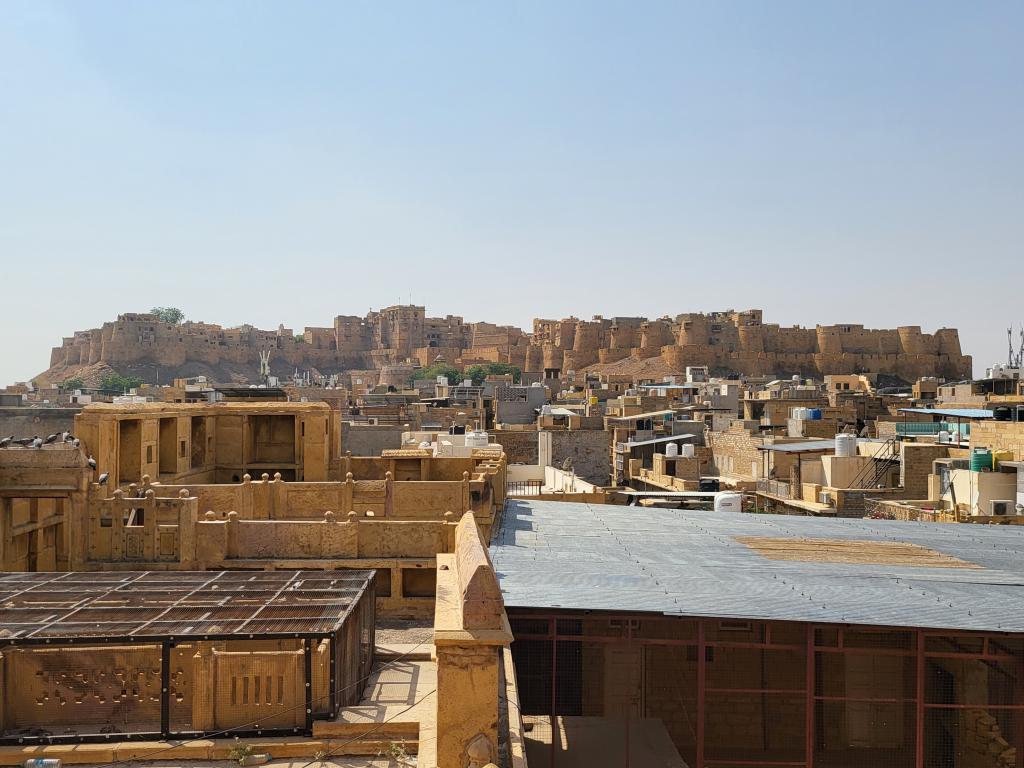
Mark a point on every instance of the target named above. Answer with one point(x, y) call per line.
point(727, 342)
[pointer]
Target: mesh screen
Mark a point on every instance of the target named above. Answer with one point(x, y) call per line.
point(81, 690)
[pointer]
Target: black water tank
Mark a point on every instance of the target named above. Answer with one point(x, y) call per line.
point(708, 485)
point(1003, 413)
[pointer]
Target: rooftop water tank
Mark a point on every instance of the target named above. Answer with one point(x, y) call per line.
point(846, 444)
point(981, 460)
point(728, 501)
point(476, 439)
point(671, 450)
point(686, 451)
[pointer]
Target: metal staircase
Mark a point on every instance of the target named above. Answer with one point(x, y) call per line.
point(887, 455)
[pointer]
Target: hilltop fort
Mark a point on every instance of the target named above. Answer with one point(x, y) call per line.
point(403, 336)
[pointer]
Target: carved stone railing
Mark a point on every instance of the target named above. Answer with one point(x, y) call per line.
point(230, 538)
point(139, 526)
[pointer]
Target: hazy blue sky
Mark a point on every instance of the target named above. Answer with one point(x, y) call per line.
point(253, 162)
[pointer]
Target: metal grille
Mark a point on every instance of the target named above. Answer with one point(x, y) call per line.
point(39, 606)
point(730, 693)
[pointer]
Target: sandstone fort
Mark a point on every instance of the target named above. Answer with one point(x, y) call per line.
point(398, 338)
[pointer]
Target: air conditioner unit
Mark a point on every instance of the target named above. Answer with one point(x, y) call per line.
point(1002, 507)
point(372, 421)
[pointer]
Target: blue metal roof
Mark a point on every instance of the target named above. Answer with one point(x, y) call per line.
point(956, 413)
point(689, 563)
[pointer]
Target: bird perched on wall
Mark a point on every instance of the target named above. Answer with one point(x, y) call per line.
point(6, 441)
point(66, 436)
point(92, 463)
point(51, 438)
point(37, 442)
point(102, 480)
point(76, 442)
point(25, 441)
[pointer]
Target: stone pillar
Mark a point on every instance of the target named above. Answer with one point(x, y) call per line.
point(470, 632)
point(203, 688)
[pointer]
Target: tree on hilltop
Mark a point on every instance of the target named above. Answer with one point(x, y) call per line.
point(170, 315)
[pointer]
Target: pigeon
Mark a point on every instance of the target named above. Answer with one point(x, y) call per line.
point(66, 436)
point(92, 463)
point(37, 442)
point(51, 439)
point(6, 441)
point(76, 442)
point(102, 480)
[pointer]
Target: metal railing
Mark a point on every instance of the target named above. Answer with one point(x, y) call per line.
point(524, 487)
point(775, 488)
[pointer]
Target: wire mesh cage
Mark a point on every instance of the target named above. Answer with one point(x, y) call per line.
point(138, 655)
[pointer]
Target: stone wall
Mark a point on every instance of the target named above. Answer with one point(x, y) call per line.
point(25, 422)
point(370, 440)
point(519, 447)
point(916, 465)
point(589, 449)
point(999, 436)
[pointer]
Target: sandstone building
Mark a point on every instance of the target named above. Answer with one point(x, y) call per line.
point(394, 340)
point(140, 343)
point(741, 343)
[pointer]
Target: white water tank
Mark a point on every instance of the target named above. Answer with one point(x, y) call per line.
point(671, 450)
point(728, 501)
point(686, 451)
point(846, 444)
point(944, 436)
point(476, 439)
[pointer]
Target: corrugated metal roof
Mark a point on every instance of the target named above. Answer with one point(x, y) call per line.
point(668, 439)
point(681, 562)
point(957, 413)
point(649, 415)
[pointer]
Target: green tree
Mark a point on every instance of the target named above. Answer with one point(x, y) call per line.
point(72, 383)
point(171, 315)
point(116, 383)
point(437, 369)
point(480, 372)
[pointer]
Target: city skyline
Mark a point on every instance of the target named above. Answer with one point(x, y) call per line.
point(828, 164)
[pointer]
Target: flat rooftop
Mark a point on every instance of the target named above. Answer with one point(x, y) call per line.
point(42, 607)
point(557, 555)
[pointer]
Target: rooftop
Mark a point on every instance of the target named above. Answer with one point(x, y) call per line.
point(956, 413)
point(658, 440)
point(804, 446)
point(650, 415)
point(729, 565)
point(39, 607)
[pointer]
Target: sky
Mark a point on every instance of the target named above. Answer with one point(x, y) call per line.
point(267, 163)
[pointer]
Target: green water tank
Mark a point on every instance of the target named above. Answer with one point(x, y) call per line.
point(981, 460)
